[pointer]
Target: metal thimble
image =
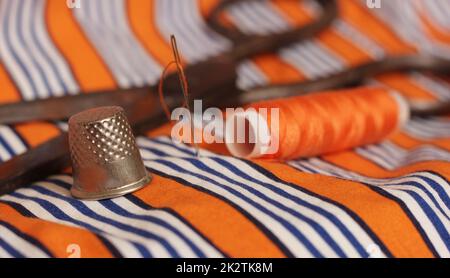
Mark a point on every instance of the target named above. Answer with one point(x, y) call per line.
point(106, 162)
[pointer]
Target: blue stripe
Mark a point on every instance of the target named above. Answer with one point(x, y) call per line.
point(8, 248)
point(115, 208)
point(110, 205)
point(361, 250)
point(46, 56)
point(32, 59)
point(11, 49)
point(8, 147)
point(57, 213)
point(156, 151)
point(286, 224)
point(420, 187)
point(144, 252)
point(315, 225)
point(82, 208)
point(27, 238)
point(184, 150)
point(442, 231)
point(436, 186)
point(298, 164)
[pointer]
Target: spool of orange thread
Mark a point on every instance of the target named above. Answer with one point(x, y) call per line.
point(317, 124)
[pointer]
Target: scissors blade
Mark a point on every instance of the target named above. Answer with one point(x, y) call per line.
point(145, 113)
point(59, 108)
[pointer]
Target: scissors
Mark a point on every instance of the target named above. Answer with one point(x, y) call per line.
point(212, 80)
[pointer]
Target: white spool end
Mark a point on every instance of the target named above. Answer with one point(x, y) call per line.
point(403, 108)
point(257, 134)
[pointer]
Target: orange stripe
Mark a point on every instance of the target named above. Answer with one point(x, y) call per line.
point(344, 48)
point(367, 23)
point(8, 91)
point(55, 237)
point(226, 227)
point(434, 31)
point(395, 229)
point(373, 28)
point(403, 83)
point(206, 6)
point(354, 55)
point(344, 192)
point(276, 70)
point(141, 14)
point(37, 133)
point(294, 15)
point(354, 162)
point(408, 142)
point(89, 69)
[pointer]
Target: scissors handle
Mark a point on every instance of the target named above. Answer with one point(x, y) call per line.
point(59, 108)
point(246, 45)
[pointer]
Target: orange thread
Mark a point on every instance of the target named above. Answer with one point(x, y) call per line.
point(332, 121)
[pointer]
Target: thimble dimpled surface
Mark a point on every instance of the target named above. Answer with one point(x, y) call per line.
point(105, 159)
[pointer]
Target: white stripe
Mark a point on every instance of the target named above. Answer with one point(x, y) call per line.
point(183, 19)
point(75, 214)
point(321, 220)
point(280, 231)
point(159, 214)
point(301, 225)
point(340, 214)
point(433, 85)
point(148, 226)
point(154, 246)
point(436, 11)
point(402, 17)
point(337, 212)
point(392, 157)
point(4, 254)
point(423, 219)
point(443, 217)
point(56, 57)
point(21, 245)
point(113, 40)
point(10, 16)
point(359, 39)
point(103, 38)
point(257, 18)
point(142, 142)
point(249, 75)
point(412, 205)
point(28, 59)
point(125, 248)
point(4, 154)
point(29, 9)
point(146, 67)
point(198, 241)
point(12, 139)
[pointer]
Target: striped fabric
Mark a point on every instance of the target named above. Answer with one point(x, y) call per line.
point(390, 199)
